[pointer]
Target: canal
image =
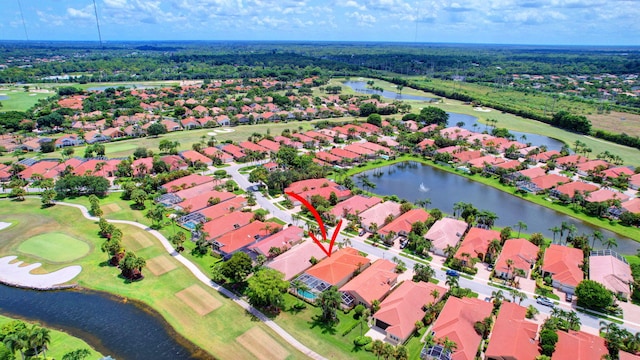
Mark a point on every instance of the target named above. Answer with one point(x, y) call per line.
point(112, 326)
point(415, 181)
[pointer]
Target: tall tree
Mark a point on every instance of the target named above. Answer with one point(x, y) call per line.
point(266, 288)
point(329, 300)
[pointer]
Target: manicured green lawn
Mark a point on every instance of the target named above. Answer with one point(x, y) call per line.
point(414, 346)
point(55, 247)
point(61, 343)
point(215, 332)
point(19, 100)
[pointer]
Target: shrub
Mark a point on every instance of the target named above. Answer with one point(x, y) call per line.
point(362, 340)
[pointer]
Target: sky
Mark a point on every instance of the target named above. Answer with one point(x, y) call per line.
point(536, 22)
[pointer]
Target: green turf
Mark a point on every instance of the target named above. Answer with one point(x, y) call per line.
point(55, 247)
point(19, 100)
point(61, 343)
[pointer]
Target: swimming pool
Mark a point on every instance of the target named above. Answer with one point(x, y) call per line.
point(307, 295)
point(190, 225)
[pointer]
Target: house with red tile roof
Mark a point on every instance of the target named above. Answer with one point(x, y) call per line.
point(190, 123)
point(193, 191)
point(222, 225)
point(376, 148)
point(282, 240)
point(548, 181)
point(41, 168)
point(309, 184)
point(186, 182)
point(328, 158)
point(578, 345)
point(571, 188)
point(445, 232)
point(286, 141)
point(370, 128)
point(251, 146)
point(175, 162)
point(234, 150)
point(213, 152)
point(570, 160)
point(242, 237)
point(544, 156)
point(532, 173)
point(92, 137)
point(634, 182)
point(203, 200)
point(221, 209)
point(563, 263)
point(270, 166)
point(632, 205)
point(354, 205)
point(484, 161)
point(269, 145)
point(614, 173)
point(509, 165)
point(374, 283)
point(400, 311)
point(586, 167)
point(307, 140)
point(602, 195)
point(170, 125)
point(456, 321)
point(475, 244)
point(344, 154)
point(193, 156)
point(360, 150)
point(340, 267)
point(378, 214)
point(513, 337)
point(453, 133)
point(401, 225)
point(113, 133)
point(68, 140)
point(612, 271)
point(297, 259)
point(623, 355)
point(521, 252)
point(466, 156)
point(319, 136)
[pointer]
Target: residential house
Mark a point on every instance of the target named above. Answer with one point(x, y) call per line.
point(92, 137)
point(242, 237)
point(523, 255)
point(475, 244)
point(578, 345)
point(222, 225)
point(223, 208)
point(632, 205)
point(570, 189)
point(513, 337)
point(563, 263)
point(203, 200)
point(605, 195)
point(354, 205)
point(401, 226)
point(584, 168)
point(297, 259)
point(282, 240)
point(328, 157)
point(272, 146)
point(193, 156)
point(400, 311)
point(68, 140)
point(234, 151)
point(378, 215)
point(170, 125)
point(374, 283)
point(612, 271)
point(213, 152)
point(456, 322)
point(548, 181)
point(190, 123)
point(445, 233)
point(175, 162)
point(335, 270)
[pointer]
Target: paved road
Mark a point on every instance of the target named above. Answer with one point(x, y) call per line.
point(207, 281)
point(477, 285)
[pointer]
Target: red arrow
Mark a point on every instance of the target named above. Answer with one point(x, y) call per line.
point(323, 231)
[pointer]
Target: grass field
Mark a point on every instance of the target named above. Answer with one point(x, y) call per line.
point(61, 343)
point(19, 100)
point(55, 247)
point(215, 332)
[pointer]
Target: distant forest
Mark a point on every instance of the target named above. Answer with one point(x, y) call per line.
point(31, 62)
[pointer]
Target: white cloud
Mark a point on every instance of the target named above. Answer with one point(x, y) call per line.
point(86, 13)
point(362, 19)
point(353, 4)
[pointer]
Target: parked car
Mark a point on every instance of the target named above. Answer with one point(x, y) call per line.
point(490, 267)
point(362, 232)
point(403, 244)
point(545, 302)
point(452, 273)
point(569, 297)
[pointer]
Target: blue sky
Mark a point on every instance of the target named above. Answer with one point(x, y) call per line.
point(556, 22)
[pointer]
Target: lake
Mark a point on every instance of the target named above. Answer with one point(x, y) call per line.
point(120, 329)
point(415, 181)
point(128, 86)
point(4, 97)
point(470, 122)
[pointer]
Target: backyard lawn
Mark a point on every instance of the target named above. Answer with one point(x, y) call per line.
point(167, 286)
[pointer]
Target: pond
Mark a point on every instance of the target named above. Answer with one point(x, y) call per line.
point(470, 122)
point(115, 86)
point(120, 329)
point(415, 181)
point(4, 97)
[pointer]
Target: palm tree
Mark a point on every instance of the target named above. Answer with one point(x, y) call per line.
point(329, 301)
point(605, 327)
point(449, 345)
point(39, 338)
point(498, 295)
point(509, 265)
point(564, 226)
point(452, 282)
point(435, 293)
point(573, 320)
point(555, 230)
point(401, 353)
point(494, 248)
point(596, 235)
point(521, 225)
point(377, 347)
point(449, 251)
point(16, 342)
point(610, 242)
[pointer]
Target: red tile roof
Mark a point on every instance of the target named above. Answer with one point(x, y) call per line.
point(476, 242)
point(521, 251)
point(234, 151)
point(533, 172)
point(223, 208)
point(373, 283)
point(578, 345)
point(193, 156)
point(632, 205)
point(456, 322)
point(550, 180)
point(41, 167)
point(513, 337)
point(282, 239)
point(325, 156)
point(186, 182)
point(248, 234)
point(617, 171)
point(571, 159)
point(339, 267)
point(222, 225)
point(202, 201)
point(358, 149)
point(404, 306)
point(571, 188)
point(592, 165)
point(402, 224)
point(344, 153)
point(445, 232)
point(309, 184)
point(296, 260)
point(269, 145)
point(248, 145)
point(564, 263)
point(355, 204)
point(601, 195)
point(378, 213)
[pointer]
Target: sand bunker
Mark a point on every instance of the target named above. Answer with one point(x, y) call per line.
point(14, 274)
point(4, 225)
point(481, 109)
point(224, 130)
